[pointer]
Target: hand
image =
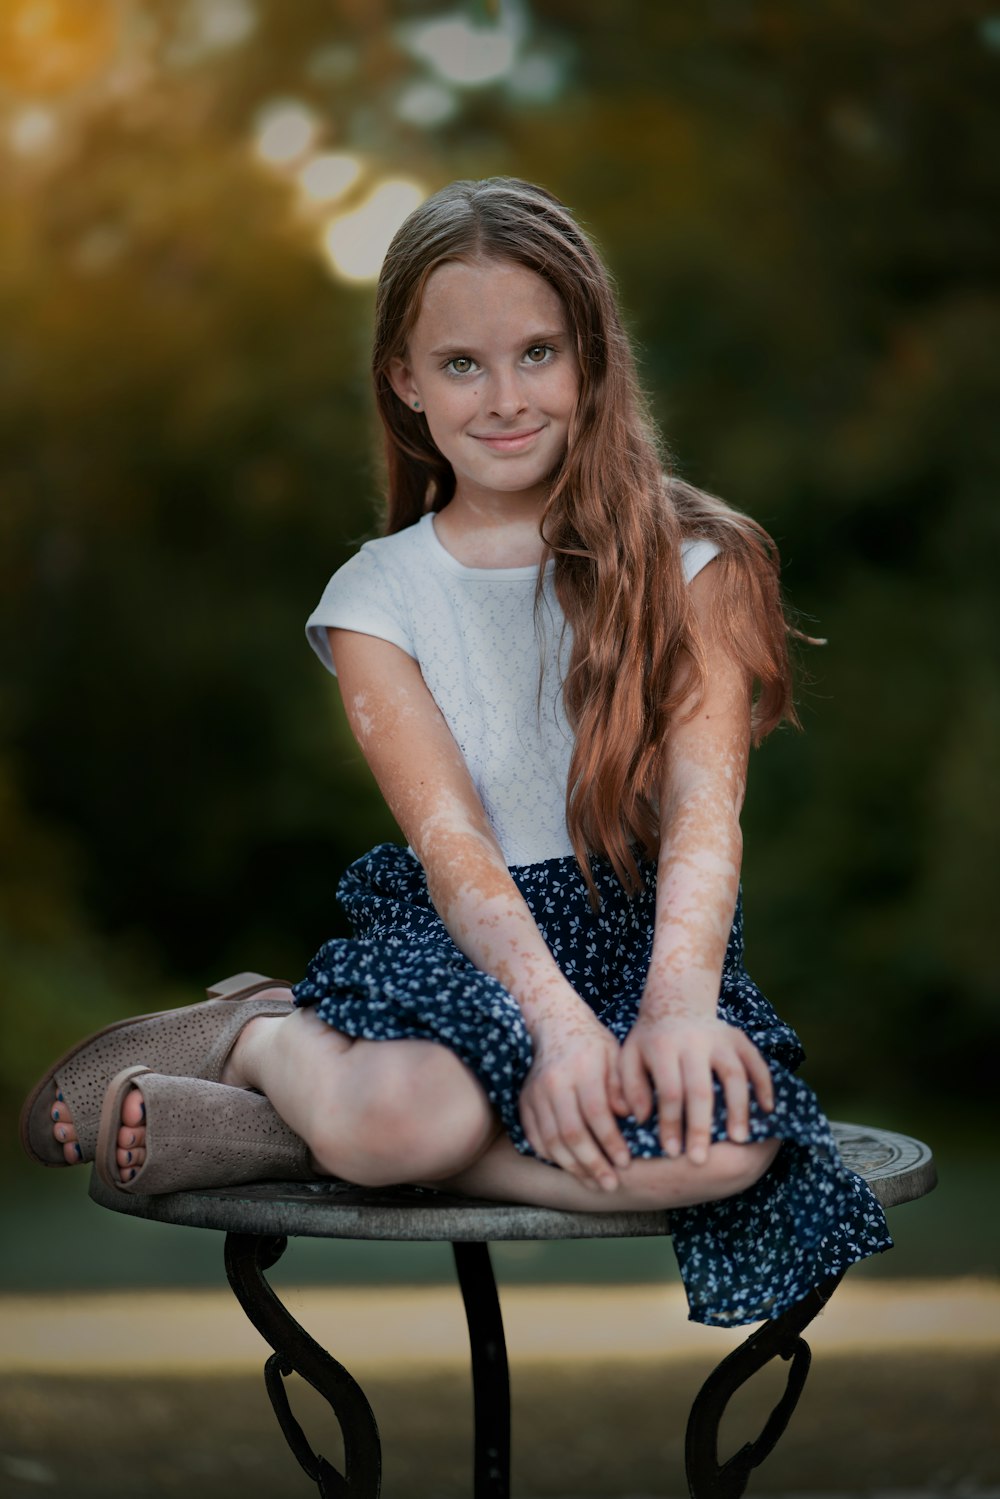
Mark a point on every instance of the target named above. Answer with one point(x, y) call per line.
point(570, 1098)
point(678, 1056)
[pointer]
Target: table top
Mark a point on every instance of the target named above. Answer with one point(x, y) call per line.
point(897, 1168)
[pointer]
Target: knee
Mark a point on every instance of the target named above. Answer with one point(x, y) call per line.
point(405, 1124)
point(737, 1167)
point(417, 1141)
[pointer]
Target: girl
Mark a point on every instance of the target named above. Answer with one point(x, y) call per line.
point(549, 661)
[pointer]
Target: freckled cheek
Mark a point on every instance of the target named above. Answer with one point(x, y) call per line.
point(565, 391)
point(447, 411)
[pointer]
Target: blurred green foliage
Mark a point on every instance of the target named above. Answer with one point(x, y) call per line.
point(800, 204)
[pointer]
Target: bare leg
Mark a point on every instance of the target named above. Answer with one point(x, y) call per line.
point(504, 1175)
point(373, 1112)
point(388, 1111)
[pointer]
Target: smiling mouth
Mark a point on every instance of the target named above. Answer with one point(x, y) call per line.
point(508, 442)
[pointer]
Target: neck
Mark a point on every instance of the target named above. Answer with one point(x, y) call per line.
point(490, 530)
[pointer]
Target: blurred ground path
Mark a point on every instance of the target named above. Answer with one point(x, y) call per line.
point(159, 1395)
point(161, 1332)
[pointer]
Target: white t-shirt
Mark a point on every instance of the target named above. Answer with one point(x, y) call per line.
point(473, 632)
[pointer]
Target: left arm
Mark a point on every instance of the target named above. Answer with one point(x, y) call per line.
point(678, 1044)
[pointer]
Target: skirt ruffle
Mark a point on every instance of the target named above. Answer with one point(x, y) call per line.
point(742, 1259)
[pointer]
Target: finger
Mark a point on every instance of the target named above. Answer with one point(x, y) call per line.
point(698, 1100)
point(635, 1084)
point(759, 1072)
point(130, 1157)
point(616, 1090)
point(735, 1085)
point(603, 1126)
point(577, 1138)
point(556, 1148)
point(670, 1103)
point(530, 1125)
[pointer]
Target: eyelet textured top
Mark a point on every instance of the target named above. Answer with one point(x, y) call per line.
point(474, 633)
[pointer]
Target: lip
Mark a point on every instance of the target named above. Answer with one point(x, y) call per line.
point(508, 442)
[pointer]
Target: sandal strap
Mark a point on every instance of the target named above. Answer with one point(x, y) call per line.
point(198, 1134)
point(240, 985)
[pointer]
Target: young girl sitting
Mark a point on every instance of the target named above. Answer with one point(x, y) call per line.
point(554, 662)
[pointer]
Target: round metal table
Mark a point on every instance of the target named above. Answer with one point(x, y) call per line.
point(259, 1218)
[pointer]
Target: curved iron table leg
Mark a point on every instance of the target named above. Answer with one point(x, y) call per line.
point(490, 1381)
point(707, 1479)
point(247, 1257)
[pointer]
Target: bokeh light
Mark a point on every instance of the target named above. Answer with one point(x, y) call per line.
point(426, 104)
point(205, 27)
point(355, 243)
point(225, 23)
point(537, 79)
point(464, 53)
point(286, 129)
point(329, 175)
point(32, 130)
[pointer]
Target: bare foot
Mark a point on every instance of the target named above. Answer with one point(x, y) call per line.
point(131, 1136)
point(239, 1070)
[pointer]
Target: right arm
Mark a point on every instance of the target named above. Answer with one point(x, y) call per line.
point(567, 1102)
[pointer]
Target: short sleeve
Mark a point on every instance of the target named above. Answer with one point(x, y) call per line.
point(696, 553)
point(360, 596)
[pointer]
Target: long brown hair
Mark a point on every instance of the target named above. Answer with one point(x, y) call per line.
point(614, 519)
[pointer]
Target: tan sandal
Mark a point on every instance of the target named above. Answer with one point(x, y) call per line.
point(193, 1041)
point(198, 1134)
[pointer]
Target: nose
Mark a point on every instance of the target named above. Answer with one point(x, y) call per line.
point(505, 396)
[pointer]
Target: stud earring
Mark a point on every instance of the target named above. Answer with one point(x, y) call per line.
point(416, 405)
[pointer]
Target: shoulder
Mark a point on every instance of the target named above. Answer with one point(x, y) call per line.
point(370, 593)
point(401, 544)
point(390, 558)
point(388, 554)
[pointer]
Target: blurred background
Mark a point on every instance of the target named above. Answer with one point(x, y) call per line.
point(800, 205)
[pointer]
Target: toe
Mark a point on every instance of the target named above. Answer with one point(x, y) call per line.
point(65, 1132)
point(133, 1108)
point(131, 1150)
point(130, 1138)
point(62, 1118)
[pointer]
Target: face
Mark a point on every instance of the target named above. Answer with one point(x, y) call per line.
point(492, 361)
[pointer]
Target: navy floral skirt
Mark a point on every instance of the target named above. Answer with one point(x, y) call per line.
point(743, 1259)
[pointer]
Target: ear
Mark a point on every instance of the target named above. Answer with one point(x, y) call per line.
point(401, 379)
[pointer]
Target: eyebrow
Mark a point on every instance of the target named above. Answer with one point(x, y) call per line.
point(456, 347)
